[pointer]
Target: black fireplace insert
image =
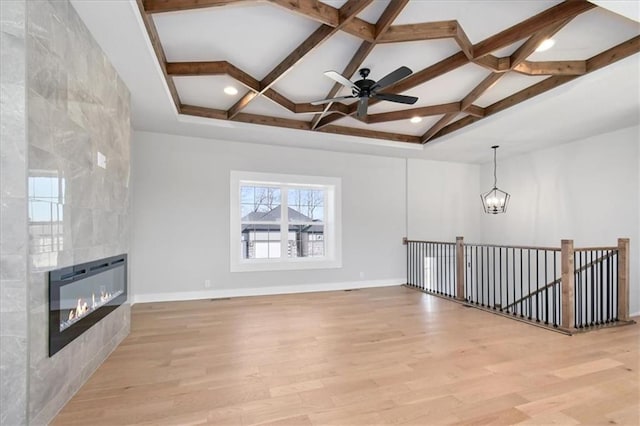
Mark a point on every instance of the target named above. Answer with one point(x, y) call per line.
point(81, 295)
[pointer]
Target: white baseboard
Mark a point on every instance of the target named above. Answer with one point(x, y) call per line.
point(262, 291)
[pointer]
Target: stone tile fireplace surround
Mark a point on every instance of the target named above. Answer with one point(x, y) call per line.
point(64, 105)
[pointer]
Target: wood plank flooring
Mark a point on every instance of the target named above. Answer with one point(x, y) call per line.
point(367, 357)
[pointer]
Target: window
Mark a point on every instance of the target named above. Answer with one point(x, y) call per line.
point(284, 222)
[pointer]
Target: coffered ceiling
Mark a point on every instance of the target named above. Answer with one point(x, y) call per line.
point(470, 59)
point(471, 62)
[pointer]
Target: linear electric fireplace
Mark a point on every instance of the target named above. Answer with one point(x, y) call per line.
point(81, 295)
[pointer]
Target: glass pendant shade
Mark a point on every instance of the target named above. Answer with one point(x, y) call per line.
point(495, 200)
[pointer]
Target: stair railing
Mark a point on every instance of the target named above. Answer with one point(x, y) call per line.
point(566, 288)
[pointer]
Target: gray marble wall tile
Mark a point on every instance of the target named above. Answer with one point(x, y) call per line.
point(78, 107)
point(14, 366)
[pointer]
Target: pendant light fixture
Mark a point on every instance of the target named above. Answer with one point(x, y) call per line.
point(495, 200)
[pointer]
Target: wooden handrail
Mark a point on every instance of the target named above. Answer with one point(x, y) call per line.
point(514, 247)
point(405, 241)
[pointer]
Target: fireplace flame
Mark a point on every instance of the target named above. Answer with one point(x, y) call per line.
point(82, 307)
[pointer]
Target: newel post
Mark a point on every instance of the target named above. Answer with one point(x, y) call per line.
point(623, 279)
point(460, 268)
point(567, 285)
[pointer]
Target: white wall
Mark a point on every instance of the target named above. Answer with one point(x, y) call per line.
point(180, 219)
point(443, 201)
point(587, 191)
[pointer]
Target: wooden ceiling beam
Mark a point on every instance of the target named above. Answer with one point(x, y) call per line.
point(416, 32)
point(203, 112)
point(479, 90)
point(322, 33)
point(463, 41)
point(361, 29)
point(212, 68)
point(437, 127)
point(313, 9)
point(414, 112)
point(552, 68)
point(532, 43)
point(365, 133)
point(152, 32)
point(475, 110)
point(608, 57)
point(436, 70)
point(616, 53)
point(197, 68)
point(388, 16)
point(241, 104)
point(316, 38)
point(526, 28)
point(306, 108)
point(280, 99)
point(493, 63)
point(159, 6)
point(272, 121)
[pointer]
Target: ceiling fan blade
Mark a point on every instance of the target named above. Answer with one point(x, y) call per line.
point(391, 78)
point(326, 101)
point(336, 76)
point(396, 98)
point(363, 104)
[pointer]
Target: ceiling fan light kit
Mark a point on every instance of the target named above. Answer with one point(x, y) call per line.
point(364, 89)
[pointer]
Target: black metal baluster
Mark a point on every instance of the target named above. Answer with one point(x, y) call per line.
point(616, 288)
point(513, 269)
point(538, 315)
point(441, 270)
point(409, 263)
point(482, 274)
point(452, 265)
point(449, 274)
point(592, 276)
point(546, 289)
point(500, 281)
point(493, 278)
point(408, 259)
point(477, 269)
point(578, 297)
point(488, 282)
point(608, 287)
point(413, 264)
point(466, 272)
point(554, 290)
point(601, 303)
point(521, 286)
point(529, 283)
point(506, 274)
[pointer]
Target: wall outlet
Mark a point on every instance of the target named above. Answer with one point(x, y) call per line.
point(207, 283)
point(101, 160)
point(361, 275)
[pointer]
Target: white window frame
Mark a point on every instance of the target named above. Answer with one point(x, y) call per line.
point(332, 187)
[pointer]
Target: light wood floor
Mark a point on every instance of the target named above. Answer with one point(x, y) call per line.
point(376, 356)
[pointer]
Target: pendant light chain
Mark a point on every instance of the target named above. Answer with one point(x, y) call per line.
point(495, 167)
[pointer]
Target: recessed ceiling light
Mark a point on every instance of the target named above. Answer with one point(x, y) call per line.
point(546, 45)
point(416, 119)
point(230, 90)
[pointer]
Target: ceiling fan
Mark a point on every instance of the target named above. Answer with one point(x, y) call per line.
point(364, 89)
